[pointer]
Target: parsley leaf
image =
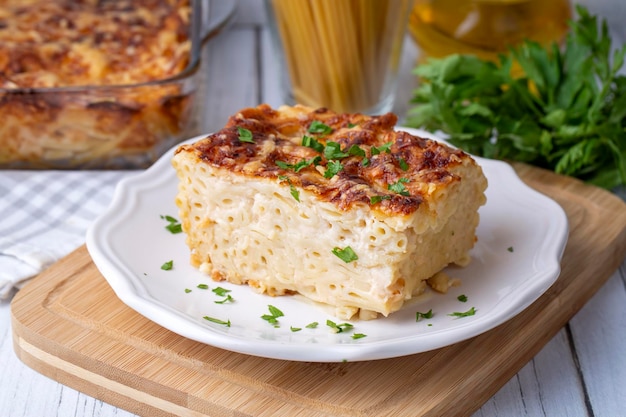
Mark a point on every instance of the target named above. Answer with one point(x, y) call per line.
point(244, 135)
point(427, 315)
point(294, 193)
point(297, 167)
point(217, 321)
point(383, 148)
point(467, 313)
point(375, 199)
point(398, 187)
point(167, 265)
point(228, 299)
point(346, 254)
point(173, 226)
point(332, 169)
point(312, 143)
point(333, 151)
point(272, 318)
point(320, 128)
point(339, 328)
point(462, 298)
point(356, 150)
point(223, 292)
point(292, 189)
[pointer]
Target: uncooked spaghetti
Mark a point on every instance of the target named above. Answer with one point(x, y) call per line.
point(341, 54)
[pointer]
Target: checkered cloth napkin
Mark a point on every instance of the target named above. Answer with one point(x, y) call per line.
point(44, 215)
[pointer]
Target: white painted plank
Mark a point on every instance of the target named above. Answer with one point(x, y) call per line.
point(26, 393)
point(271, 74)
point(537, 390)
point(231, 75)
point(599, 334)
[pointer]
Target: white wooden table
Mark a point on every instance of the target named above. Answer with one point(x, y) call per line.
point(580, 372)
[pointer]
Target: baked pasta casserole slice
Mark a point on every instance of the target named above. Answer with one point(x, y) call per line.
point(340, 208)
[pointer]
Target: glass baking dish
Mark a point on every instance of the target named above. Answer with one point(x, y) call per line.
point(120, 126)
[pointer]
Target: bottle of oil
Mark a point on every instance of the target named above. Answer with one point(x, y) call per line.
point(485, 27)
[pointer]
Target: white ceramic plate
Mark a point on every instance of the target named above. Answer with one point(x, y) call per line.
point(521, 238)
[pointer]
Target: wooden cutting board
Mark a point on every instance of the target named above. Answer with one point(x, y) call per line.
point(69, 325)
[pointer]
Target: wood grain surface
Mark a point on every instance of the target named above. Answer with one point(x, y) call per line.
point(69, 325)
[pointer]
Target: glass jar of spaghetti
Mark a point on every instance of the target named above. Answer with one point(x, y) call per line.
point(339, 54)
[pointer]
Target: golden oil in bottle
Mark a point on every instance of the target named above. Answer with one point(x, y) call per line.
point(485, 28)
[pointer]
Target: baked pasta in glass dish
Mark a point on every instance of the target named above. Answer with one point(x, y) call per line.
point(96, 84)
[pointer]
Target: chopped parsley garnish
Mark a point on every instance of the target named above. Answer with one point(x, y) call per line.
point(358, 336)
point(312, 143)
point(222, 292)
point(346, 254)
point(173, 225)
point(398, 187)
point(356, 150)
point(462, 298)
point(167, 265)
point(295, 329)
point(284, 165)
point(272, 318)
point(312, 325)
point(375, 199)
point(339, 328)
point(228, 299)
point(217, 321)
point(351, 125)
point(294, 193)
point(320, 128)
point(332, 169)
point(292, 189)
point(187, 290)
point(203, 286)
point(467, 313)
point(510, 249)
point(333, 151)
point(380, 149)
point(244, 135)
point(403, 165)
point(297, 167)
point(427, 315)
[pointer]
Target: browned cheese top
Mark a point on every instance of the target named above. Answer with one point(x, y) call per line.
point(391, 171)
point(59, 43)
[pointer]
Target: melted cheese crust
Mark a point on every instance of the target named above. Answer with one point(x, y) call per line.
point(251, 219)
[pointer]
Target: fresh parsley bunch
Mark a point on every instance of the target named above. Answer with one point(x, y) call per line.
point(566, 113)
